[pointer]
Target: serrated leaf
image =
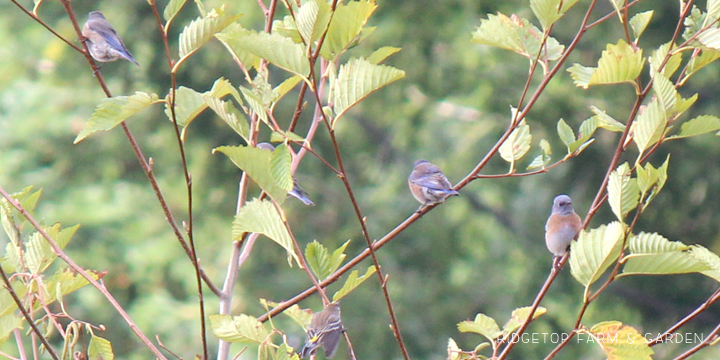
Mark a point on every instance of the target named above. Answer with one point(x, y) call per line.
point(382, 53)
point(706, 57)
point(517, 144)
point(710, 37)
point(621, 342)
point(8, 323)
point(321, 263)
point(346, 27)
point(652, 254)
point(238, 329)
point(100, 349)
point(665, 92)
point(285, 87)
point(7, 303)
point(550, 11)
point(619, 63)
point(188, 105)
point(567, 136)
point(113, 111)
point(279, 50)
point(228, 37)
point(594, 251)
point(201, 30)
point(483, 325)
point(312, 19)
point(517, 35)
point(228, 113)
point(357, 79)
point(352, 282)
point(172, 8)
point(66, 281)
point(606, 121)
point(256, 104)
point(518, 317)
point(588, 127)
point(681, 105)
point(262, 217)
point(38, 252)
point(256, 163)
point(702, 124)
point(280, 162)
point(289, 135)
point(623, 191)
point(709, 258)
point(639, 22)
point(649, 126)
point(658, 57)
point(301, 316)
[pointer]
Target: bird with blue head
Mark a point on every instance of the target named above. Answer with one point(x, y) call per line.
point(103, 41)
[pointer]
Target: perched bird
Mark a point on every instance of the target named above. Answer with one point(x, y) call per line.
point(562, 227)
point(428, 184)
point(296, 191)
point(324, 330)
point(103, 41)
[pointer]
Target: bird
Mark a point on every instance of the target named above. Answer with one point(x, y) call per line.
point(324, 330)
point(103, 41)
point(428, 184)
point(296, 191)
point(562, 227)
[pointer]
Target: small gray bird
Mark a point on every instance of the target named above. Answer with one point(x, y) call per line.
point(103, 41)
point(562, 227)
point(324, 330)
point(428, 184)
point(296, 191)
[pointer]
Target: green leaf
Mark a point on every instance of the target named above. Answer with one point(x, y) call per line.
point(228, 37)
point(171, 10)
point(649, 126)
point(238, 329)
point(285, 87)
point(550, 11)
point(665, 92)
point(190, 103)
point(618, 64)
point(66, 281)
point(100, 349)
point(702, 124)
point(594, 251)
point(357, 79)
point(201, 30)
point(517, 35)
point(312, 19)
point(279, 50)
point(301, 316)
point(710, 37)
point(346, 27)
point(352, 282)
point(542, 160)
point(483, 325)
point(280, 162)
point(623, 191)
point(706, 57)
point(321, 263)
point(256, 104)
point(621, 342)
point(281, 136)
point(262, 217)
point(382, 53)
point(639, 22)
point(606, 121)
point(517, 144)
point(8, 323)
point(518, 317)
point(228, 113)
point(38, 252)
point(652, 254)
point(658, 57)
point(709, 258)
point(567, 136)
point(256, 163)
point(7, 303)
point(112, 111)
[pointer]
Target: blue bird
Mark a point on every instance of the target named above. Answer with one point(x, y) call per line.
point(103, 41)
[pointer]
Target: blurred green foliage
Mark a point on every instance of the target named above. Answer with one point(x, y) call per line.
point(480, 252)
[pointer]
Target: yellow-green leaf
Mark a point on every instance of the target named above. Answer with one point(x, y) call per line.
point(517, 144)
point(346, 27)
point(279, 50)
point(382, 53)
point(619, 63)
point(639, 22)
point(594, 251)
point(112, 111)
point(623, 191)
point(357, 79)
point(8, 323)
point(228, 113)
point(651, 253)
point(517, 35)
point(709, 258)
point(621, 342)
point(100, 349)
point(172, 8)
point(256, 162)
point(483, 325)
point(352, 282)
point(262, 217)
point(702, 124)
point(550, 11)
point(201, 30)
point(649, 126)
point(280, 161)
point(238, 329)
point(322, 263)
point(518, 317)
